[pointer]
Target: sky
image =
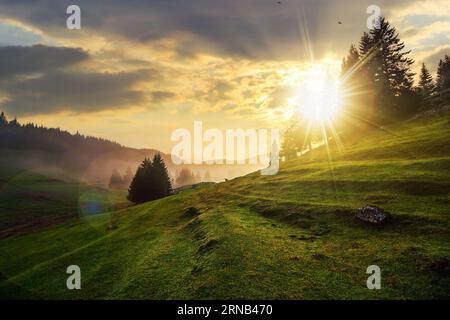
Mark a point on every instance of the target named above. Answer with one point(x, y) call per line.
point(138, 70)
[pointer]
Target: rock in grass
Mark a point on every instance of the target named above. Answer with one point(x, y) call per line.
point(372, 214)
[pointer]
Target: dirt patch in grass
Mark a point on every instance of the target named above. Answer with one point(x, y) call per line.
point(191, 212)
point(207, 246)
point(38, 224)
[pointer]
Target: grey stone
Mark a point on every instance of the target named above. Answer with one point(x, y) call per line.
point(372, 214)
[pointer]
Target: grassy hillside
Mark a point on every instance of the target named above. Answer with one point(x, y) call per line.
point(30, 201)
point(288, 236)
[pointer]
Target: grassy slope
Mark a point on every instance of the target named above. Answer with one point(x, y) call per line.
point(30, 201)
point(292, 235)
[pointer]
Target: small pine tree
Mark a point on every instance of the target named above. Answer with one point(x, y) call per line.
point(207, 177)
point(14, 122)
point(186, 177)
point(426, 85)
point(443, 74)
point(127, 177)
point(3, 119)
point(116, 179)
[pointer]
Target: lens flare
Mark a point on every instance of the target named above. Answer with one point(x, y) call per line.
point(318, 99)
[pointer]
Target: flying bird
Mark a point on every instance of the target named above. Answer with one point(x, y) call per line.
point(340, 22)
point(279, 2)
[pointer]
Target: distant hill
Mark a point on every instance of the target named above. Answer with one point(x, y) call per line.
point(38, 147)
point(55, 151)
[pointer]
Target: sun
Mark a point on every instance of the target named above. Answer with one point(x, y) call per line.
point(318, 98)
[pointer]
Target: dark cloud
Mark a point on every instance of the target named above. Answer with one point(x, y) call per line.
point(18, 60)
point(76, 91)
point(249, 28)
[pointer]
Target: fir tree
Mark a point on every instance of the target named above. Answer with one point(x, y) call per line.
point(116, 180)
point(142, 186)
point(186, 177)
point(426, 85)
point(443, 74)
point(387, 69)
point(163, 184)
point(3, 119)
point(350, 62)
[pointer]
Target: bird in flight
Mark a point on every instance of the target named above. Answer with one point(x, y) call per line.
point(279, 2)
point(340, 22)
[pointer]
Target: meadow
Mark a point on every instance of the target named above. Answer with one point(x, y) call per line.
point(289, 236)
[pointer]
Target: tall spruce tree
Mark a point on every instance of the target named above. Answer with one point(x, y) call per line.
point(387, 66)
point(141, 186)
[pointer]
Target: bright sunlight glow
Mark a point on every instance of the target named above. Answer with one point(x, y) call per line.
point(318, 98)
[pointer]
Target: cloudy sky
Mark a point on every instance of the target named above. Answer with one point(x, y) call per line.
point(137, 70)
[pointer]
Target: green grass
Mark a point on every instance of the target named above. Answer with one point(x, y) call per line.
point(30, 201)
point(288, 236)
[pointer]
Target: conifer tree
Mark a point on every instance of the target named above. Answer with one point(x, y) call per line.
point(443, 74)
point(3, 119)
point(150, 182)
point(387, 67)
point(116, 179)
point(163, 184)
point(207, 177)
point(426, 85)
point(350, 62)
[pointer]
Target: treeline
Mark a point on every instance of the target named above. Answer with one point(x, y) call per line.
point(378, 79)
point(187, 177)
point(30, 136)
point(378, 87)
point(435, 91)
